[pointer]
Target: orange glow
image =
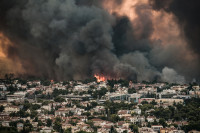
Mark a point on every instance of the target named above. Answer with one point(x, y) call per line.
point(125, 9)
point(165, 27)
point(8, 65)
point(4, 43)
point(100, 78)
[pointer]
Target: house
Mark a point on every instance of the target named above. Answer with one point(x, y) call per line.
point(20, 126)
point(34, 124)
point(5, 123)
point(11, 108)
point(46, 107)
point(169, 101)
point(156, 128)
point(124, 113)
point(99, 109)
point(141, 119)
point(18, 98)
point(62, 111)
point(146, 99)
point(146, 130)
point(66, 125)
point(134, 97)
point(151, 118)
point(97, 122)
point(170, 130)
point(194, 131)
point(137, 111)
point(103, 130)
point(46, 130)
point(3, 87)
point(120, 123)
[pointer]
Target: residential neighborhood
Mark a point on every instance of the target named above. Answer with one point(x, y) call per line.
point(111, 106)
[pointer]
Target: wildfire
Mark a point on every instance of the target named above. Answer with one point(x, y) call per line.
point(100, 78)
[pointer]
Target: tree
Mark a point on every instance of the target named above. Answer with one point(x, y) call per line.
point(46, 83)
point(57, 125)
point(154, 102)
point(9, 77)
point(93, 104)
point(12, 89)
point(68, 130)
point(1, 108)
point(59, 99)
point(134, 128)
point(125, 131)
point(114, 118)
point(112, 130)
point(87, 114)
point(45, 103)
point(35, 106)
point(27, 126)
point(49, 122)
point(144, 102)
point(155, 122)
point(131, 90)
point(100, 93)
point(162, 122)
point(33, 114)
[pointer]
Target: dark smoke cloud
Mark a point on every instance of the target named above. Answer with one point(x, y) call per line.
point(187, 13)
point(188, 18)
point(75, 39)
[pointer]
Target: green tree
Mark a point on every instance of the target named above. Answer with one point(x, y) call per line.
point(49, 122)
point(134, 128)
point(68, 130)
point(1, 108)
point(59, 99)
point(131, 90)
point(33, 114)
point(112, 130)
point(162, 122)
point(114, 118)
point(46, 83)
point(57, 125)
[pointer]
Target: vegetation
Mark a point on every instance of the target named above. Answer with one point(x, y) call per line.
point(1, 108)
point(131, 90)
point(99, 93)
point(59, 99)
point(124, 83)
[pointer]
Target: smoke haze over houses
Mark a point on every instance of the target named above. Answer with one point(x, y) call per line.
point(76, 39)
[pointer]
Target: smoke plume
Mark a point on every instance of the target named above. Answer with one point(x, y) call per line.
point(75, 39)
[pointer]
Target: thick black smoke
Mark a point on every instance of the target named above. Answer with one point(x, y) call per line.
point(75, 39)
point(187, 13)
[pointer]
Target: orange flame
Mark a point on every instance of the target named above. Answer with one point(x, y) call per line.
point(100, 78)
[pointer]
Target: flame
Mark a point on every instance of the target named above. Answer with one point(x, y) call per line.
point(100, 78)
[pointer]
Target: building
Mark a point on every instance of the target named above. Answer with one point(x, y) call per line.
point(146, 99)
point(11, 108)
point(169, 101)
point(156, 128)
point(12, 98)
